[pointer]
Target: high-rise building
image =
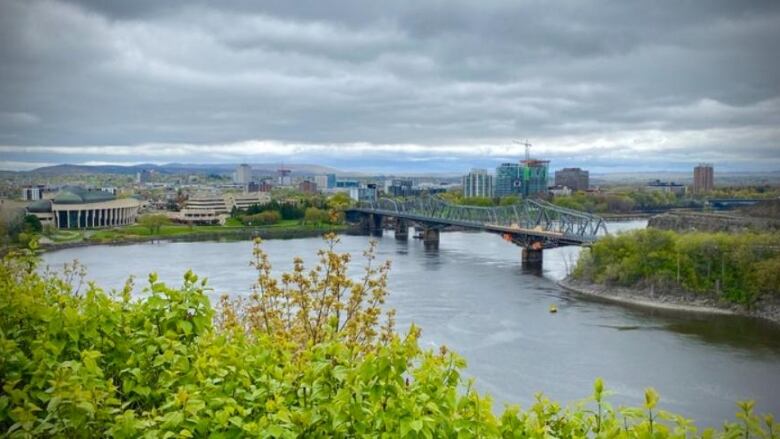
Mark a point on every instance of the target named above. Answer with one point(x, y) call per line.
point(143, 176)
point(703, 178)
point(478, 183)
point(396, 187)
point(284, 177)
point(534, 177)
point(243, 174)
point(325, 181)
point(509, 179)
point(575, 179)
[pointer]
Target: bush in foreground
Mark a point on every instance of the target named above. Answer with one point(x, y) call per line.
point(306, 355)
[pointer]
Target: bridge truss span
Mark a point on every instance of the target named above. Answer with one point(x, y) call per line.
point(529, 220)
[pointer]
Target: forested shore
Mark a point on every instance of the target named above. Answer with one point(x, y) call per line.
point(738, 271)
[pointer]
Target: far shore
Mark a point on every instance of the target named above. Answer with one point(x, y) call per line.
point(233, 233)
point(688, 303)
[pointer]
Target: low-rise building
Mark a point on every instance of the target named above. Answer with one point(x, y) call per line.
point(559, 191)
point(215, 208)
point(666, 186)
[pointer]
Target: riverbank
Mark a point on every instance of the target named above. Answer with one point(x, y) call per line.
point(136, 234)
point(678, 301)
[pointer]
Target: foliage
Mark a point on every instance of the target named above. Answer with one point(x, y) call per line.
point(77, 361)
point(31, 224)
point(314, 215)
point(266, 217)
point(287, 210)
point(307, 307)
point(740, 267)
point(153, 222)
point(456, 197)
point(618, 202)
point(339, 201)
point(11, 225)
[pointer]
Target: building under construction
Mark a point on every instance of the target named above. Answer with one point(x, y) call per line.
point(535, 173)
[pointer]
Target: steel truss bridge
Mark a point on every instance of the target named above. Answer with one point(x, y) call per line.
point(530, 223)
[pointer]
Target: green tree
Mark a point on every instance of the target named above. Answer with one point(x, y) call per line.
point(339, 201)
point(153, 222)
point(315, 216)
point(31, 224)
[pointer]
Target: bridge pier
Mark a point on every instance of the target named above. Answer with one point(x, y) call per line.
point(375, 224)
point(430, 237)
point(401, 229)
point(533, 256)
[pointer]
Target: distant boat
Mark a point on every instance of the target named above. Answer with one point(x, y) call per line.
point(553, 308)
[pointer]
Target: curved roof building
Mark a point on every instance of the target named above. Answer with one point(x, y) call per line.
point(75, 207)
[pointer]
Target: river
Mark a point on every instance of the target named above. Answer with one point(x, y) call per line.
point(473, 296)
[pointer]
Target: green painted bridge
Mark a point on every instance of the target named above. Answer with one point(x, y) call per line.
point(532, 224)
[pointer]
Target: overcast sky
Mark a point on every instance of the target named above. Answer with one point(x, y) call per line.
point(391, 85)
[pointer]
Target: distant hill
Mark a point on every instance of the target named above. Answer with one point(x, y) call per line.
point(179, 168)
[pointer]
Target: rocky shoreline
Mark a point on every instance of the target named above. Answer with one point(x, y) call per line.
point(677, 301)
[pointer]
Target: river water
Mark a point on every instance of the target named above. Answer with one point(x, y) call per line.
point(473, 296)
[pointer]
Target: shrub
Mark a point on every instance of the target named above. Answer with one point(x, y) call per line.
point(92, 363)
point(264, 218)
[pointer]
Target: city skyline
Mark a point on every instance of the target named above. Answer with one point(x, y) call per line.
point(391, 87)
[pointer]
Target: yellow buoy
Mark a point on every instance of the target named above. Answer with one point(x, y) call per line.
point(553, 308)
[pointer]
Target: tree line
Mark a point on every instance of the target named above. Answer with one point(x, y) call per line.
point(739, 268)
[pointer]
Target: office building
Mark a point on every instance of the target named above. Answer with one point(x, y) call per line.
point(509, 179)
point(703, 178)
point(307, 187)
point(396, 187)
point(284, 176)
point(575, 179)
point(32, 193)
point(143, 176)
point(478, 183)
point(243, 174)
point(325, 181)
point(214, 208)
point(367, 192)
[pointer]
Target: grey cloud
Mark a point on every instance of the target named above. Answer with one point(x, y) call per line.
point(430, 73)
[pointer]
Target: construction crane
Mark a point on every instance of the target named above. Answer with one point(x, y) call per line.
point(527, 148)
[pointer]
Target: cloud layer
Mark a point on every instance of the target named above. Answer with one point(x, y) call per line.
point(391, 85)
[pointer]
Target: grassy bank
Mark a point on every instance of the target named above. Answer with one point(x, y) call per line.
point(738, 268)
point(135, 233)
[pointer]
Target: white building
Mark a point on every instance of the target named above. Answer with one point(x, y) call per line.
point(478, 183)
point(76, 208)
point(215, 208)
point(243, 174)
point(32, 193)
